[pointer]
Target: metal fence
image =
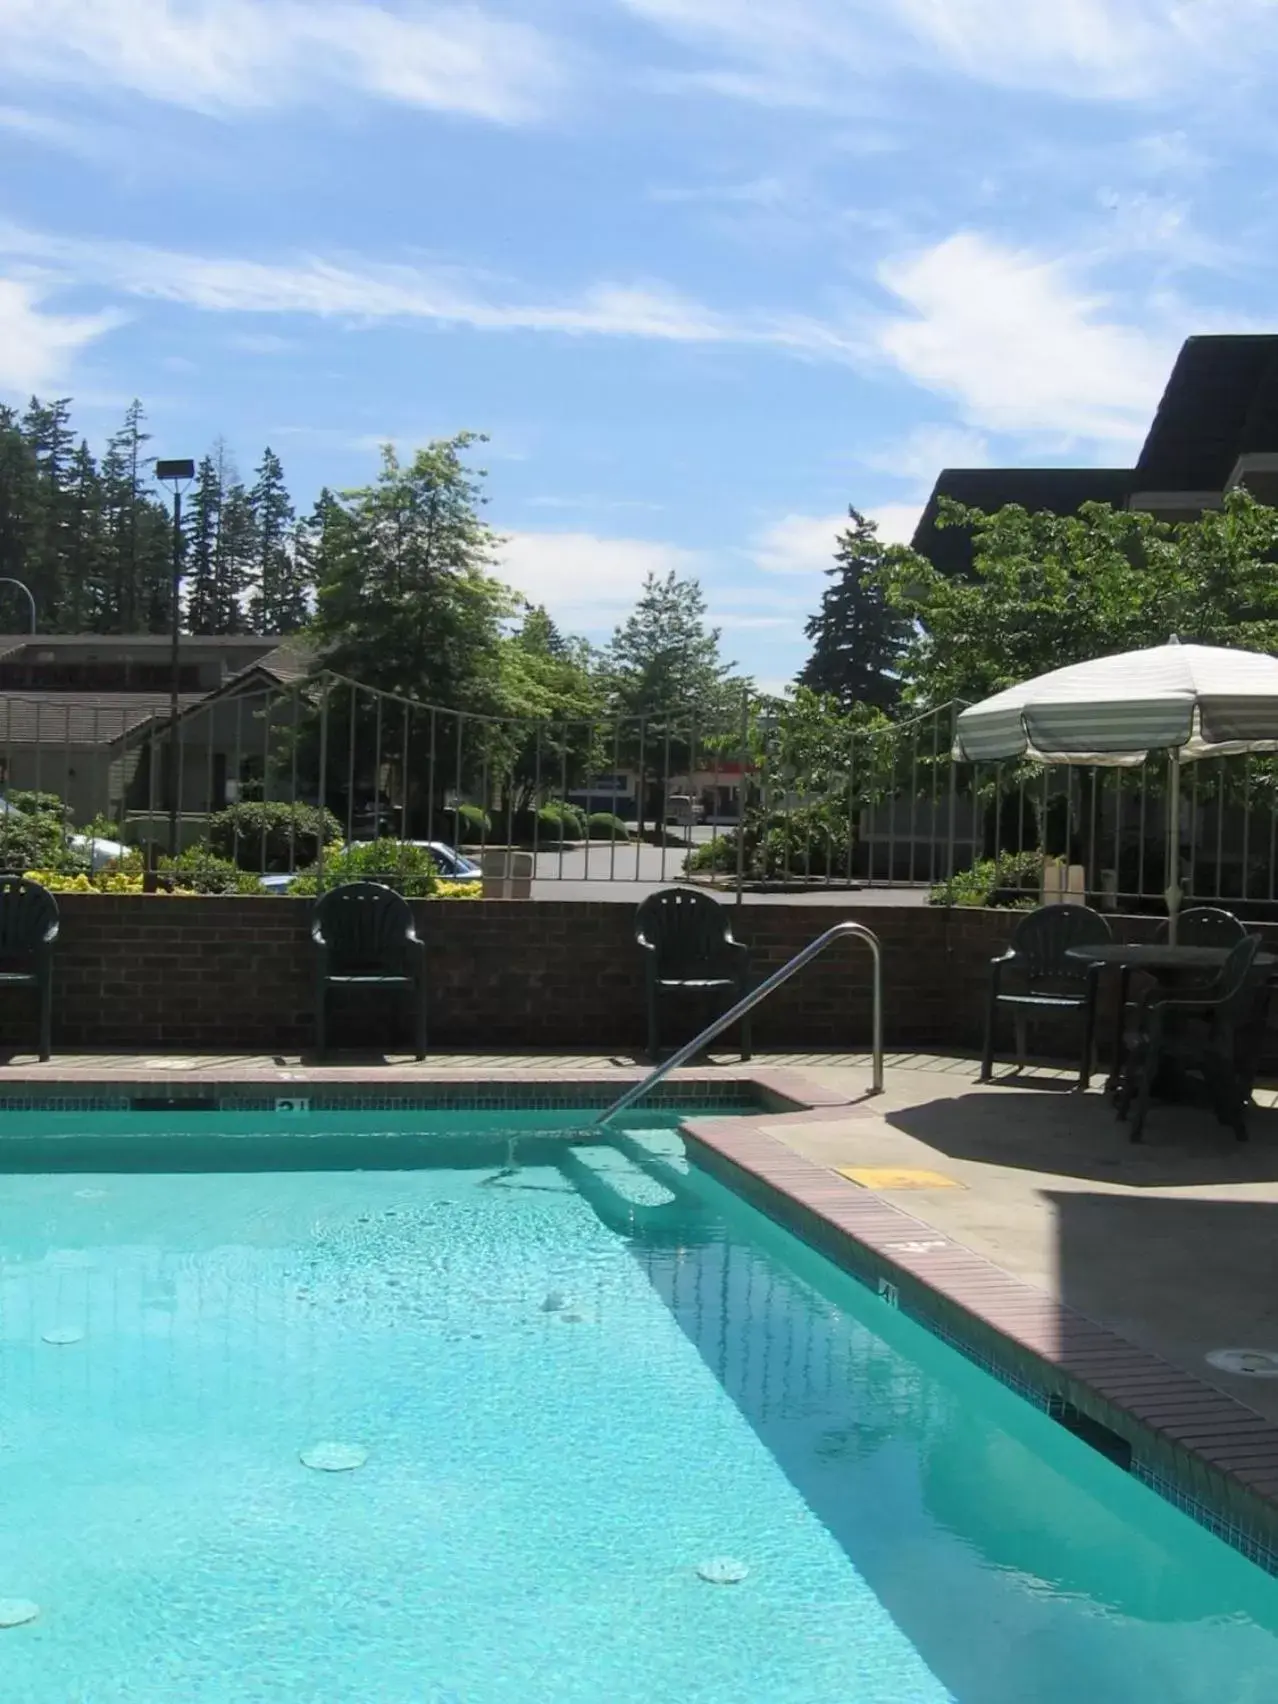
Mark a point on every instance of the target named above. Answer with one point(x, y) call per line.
point(754, 797)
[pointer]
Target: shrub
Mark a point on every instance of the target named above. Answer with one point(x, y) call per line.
point(105, 881)
point(271, 835)
point(409, 869)
point(458, 890)
point(472, 825)
point(713, 855)
point(1012, 880)
point(809, 841)
point(197, 870)
point(101, 827)
point(39, 804)
point(38, 842)
point(557, 822)
point(603, 825)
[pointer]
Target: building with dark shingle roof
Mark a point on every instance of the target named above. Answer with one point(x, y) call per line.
point(1215, 428)
point(84, 715)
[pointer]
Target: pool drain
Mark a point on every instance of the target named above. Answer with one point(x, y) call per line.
point(723, 1571)
point(334, 1458)
point(1252, 1363)
point(16, 1612)
point(62, 1334)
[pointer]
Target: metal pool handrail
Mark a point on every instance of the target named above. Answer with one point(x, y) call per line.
point(840, 931)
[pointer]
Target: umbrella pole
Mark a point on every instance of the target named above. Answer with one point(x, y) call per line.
point(1173, 845)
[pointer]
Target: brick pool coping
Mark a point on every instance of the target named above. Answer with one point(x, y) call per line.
point(1200, 1448)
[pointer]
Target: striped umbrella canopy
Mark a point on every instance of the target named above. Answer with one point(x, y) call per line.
point(1190, 701)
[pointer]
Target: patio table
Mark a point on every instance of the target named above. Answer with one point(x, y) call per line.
point(1163, 961)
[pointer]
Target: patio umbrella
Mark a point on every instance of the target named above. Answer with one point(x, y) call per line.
point(1191, 701)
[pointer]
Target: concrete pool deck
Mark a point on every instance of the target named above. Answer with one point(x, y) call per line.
point(1170, 1246)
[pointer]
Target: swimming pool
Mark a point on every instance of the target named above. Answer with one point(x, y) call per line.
point(578, 1378)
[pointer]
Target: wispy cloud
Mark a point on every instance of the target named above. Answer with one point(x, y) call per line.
point(38, 346)
point(223, 56)
point(1020, 344)
point(360, 292)
point(814, 52)
point(586, 581)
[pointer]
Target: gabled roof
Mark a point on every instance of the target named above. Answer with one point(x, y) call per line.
point(1221, 402)
point(54, 719)
point(1058, 490)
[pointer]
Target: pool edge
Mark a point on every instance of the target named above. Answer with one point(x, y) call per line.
point(1198, 1447)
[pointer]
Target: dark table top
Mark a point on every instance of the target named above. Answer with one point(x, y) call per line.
point(1137, 955)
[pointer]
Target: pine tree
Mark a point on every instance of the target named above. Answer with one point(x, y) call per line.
point(47, 429)
point(138, 535)
point(278, 603)
point(859, 638)
point(86, 556)
point(202, 521)
point(19, 502)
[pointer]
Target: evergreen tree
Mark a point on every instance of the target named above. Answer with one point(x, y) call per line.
point(19, 503)
point(202, 521)
point(669, 684)
point(405, 600)
point(858, 636)
point(86, 557)
point(47, 429)
point(278, 604)
point(138, 535)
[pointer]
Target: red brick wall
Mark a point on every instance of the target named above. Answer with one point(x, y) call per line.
point(237, 973)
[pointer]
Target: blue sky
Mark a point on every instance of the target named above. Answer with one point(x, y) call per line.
point(705, 270)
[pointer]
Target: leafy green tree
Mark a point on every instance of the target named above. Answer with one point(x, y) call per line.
point(669, 685)
point(1048, 590)
point(405, 602)
point(858, 635)
point(554, 699)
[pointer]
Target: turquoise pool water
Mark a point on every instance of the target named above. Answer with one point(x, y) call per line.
point(577, 1381)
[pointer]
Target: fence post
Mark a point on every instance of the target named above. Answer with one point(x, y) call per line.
point(323, 782)
point(741, 794)
point(949, 851)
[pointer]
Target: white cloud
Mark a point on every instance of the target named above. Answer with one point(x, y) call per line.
point(804, 545)
point(824, 51)
point(896, 521)
point(369, 292)
point(221, 56)
point(587, 582)
point(799, 544)
point(923, 452)
point(1020, 345)
point(38, 347)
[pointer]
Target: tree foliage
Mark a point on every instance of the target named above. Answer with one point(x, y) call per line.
point(92, 537)
point(858, 634)
point(1048, 590)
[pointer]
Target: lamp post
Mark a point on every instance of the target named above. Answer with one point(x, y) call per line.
point(177, 475)
point(22, 587)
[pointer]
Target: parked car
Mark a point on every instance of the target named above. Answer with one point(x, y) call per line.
point(683, 811)
point(452, 865)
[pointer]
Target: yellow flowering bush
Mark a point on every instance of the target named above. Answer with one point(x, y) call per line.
point(459, 890)
point(104, 881)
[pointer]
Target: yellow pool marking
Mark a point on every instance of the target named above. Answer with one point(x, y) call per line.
point(898, 1177)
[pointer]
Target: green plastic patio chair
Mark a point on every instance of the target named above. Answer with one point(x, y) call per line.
point(1047, 982)
point(365, 937)
point(687, 942)
point(28, 928)
point(1212, 1031)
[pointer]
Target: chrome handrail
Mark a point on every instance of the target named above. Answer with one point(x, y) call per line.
point(840, 931)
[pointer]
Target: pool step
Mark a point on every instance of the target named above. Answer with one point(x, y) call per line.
point(628, 1198)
